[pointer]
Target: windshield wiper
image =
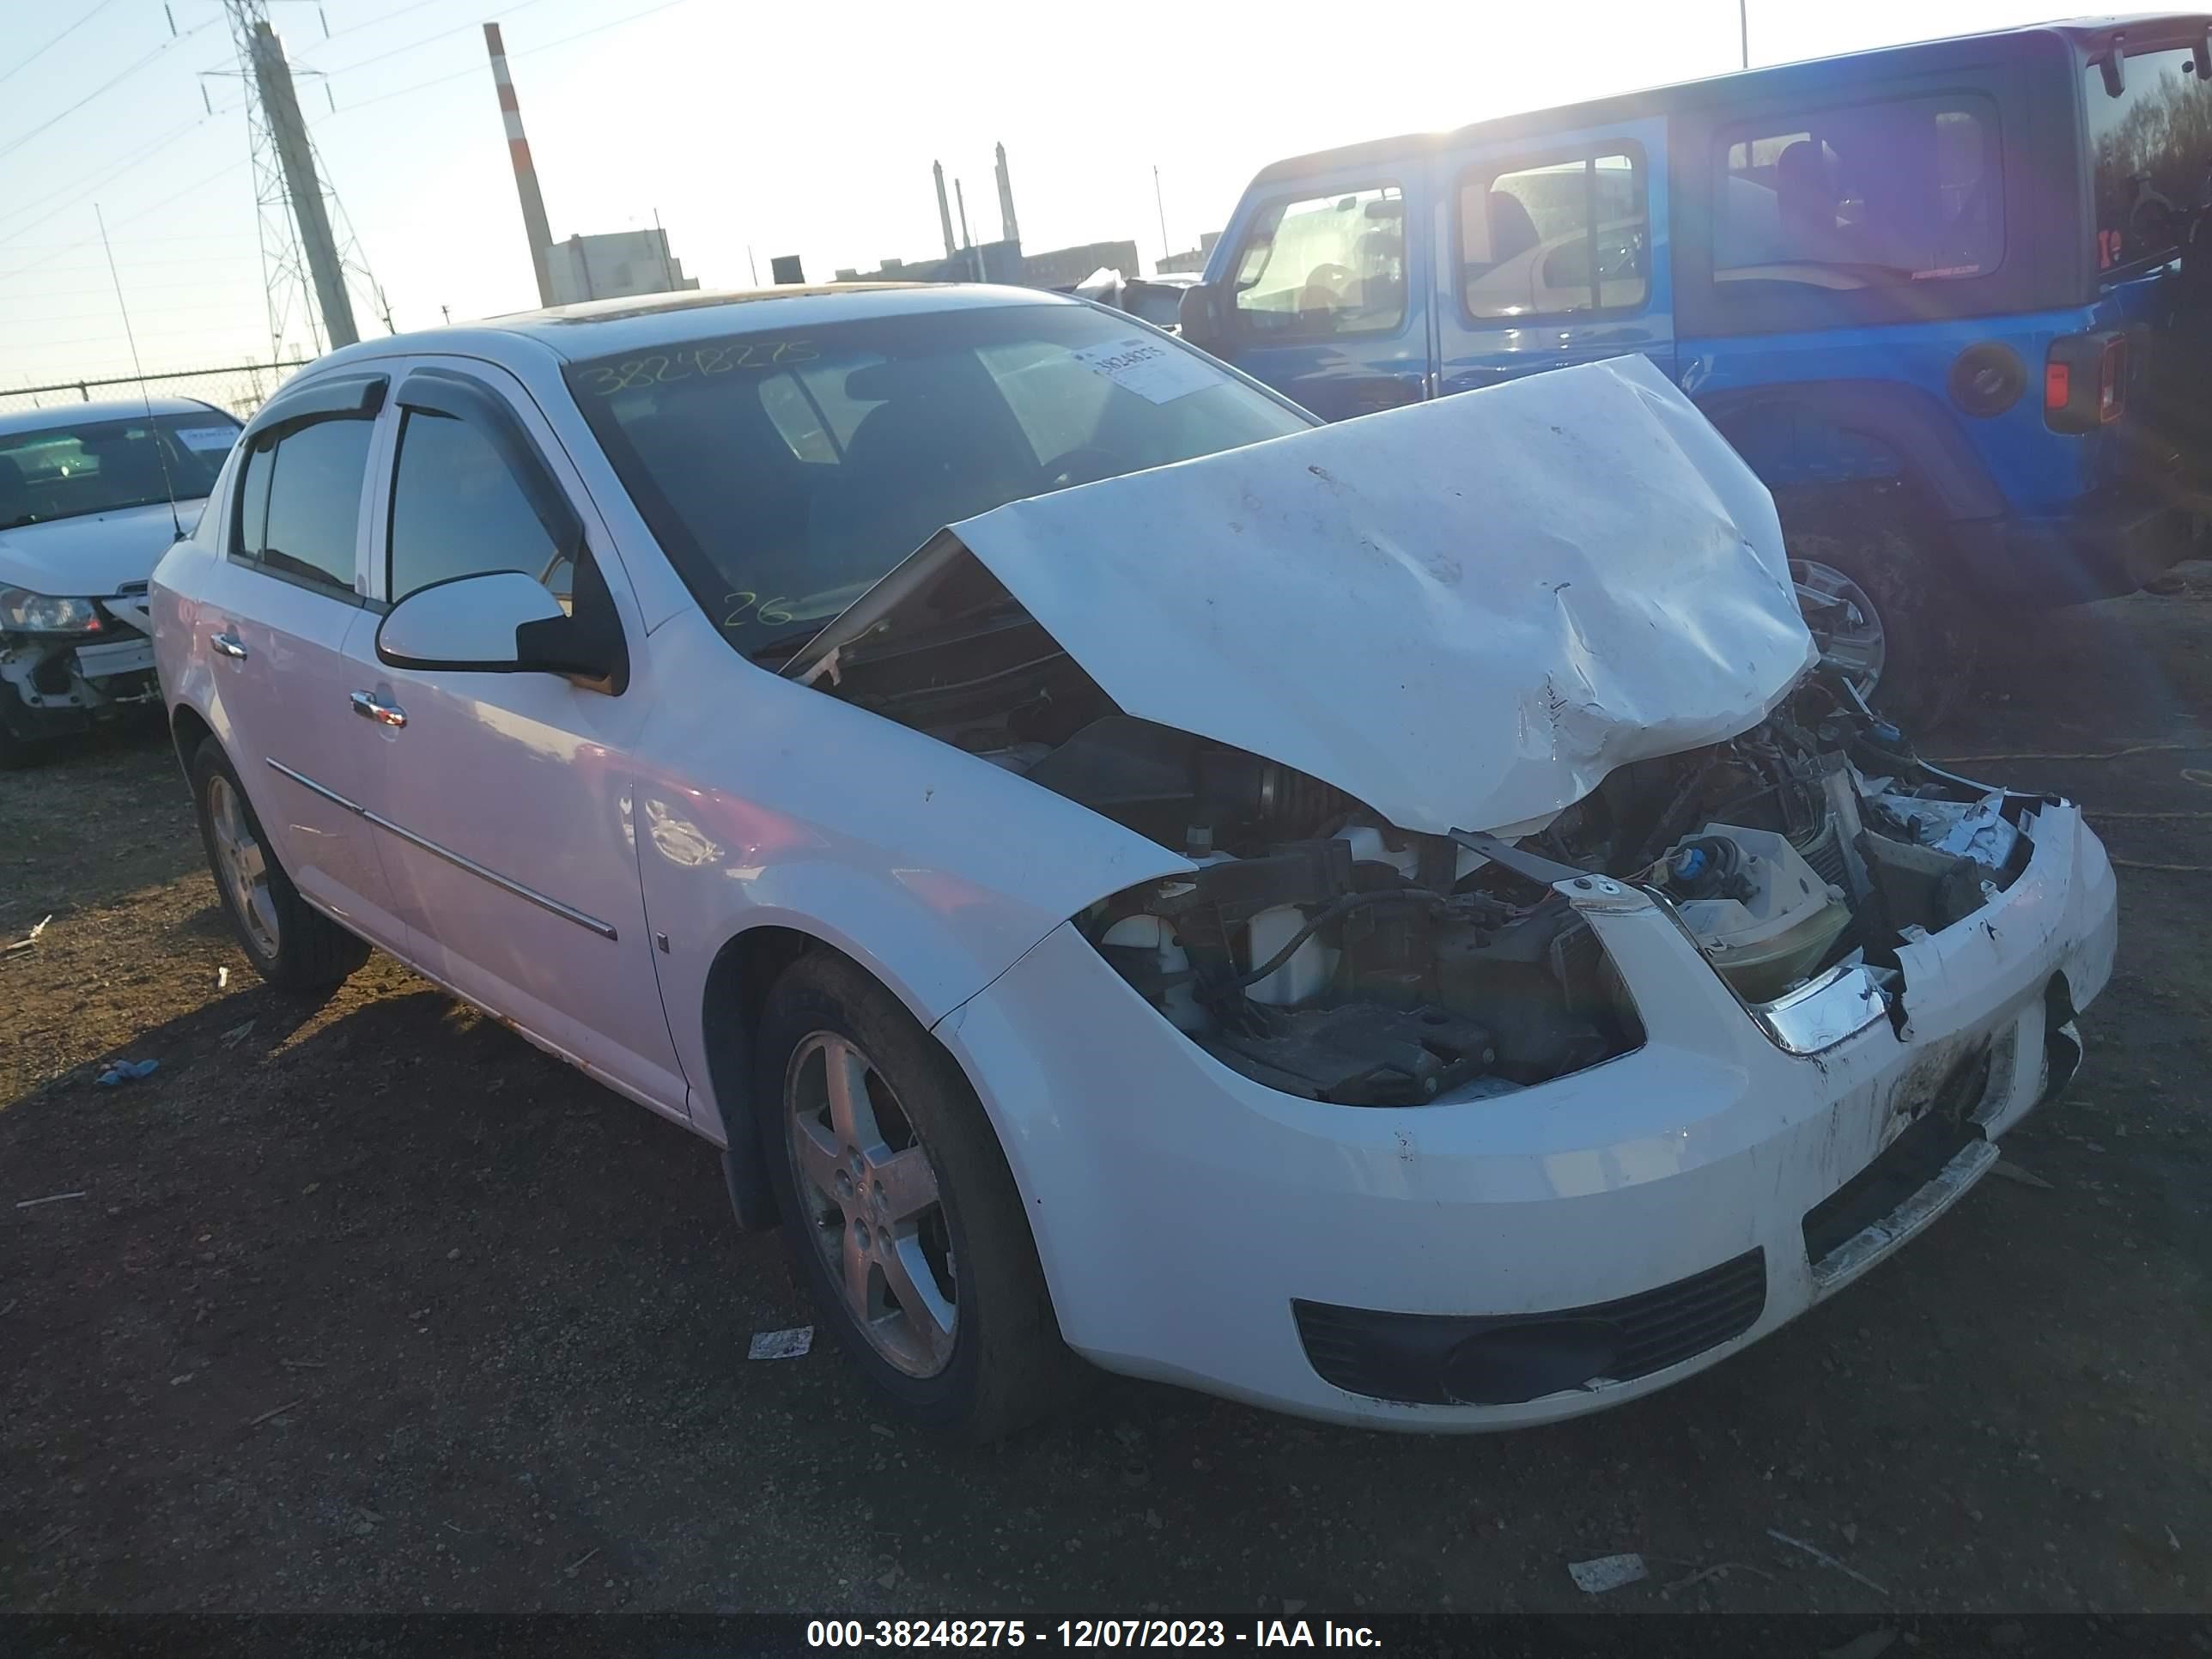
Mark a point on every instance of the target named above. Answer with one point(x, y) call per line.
point(784, 647)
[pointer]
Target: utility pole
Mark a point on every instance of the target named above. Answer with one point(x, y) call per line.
point(1743, 29)
point(288, 131)
point(1159, 205)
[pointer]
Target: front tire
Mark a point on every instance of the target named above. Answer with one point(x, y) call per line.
point(899, 1212)
point(290, 943)
point(1884, 606)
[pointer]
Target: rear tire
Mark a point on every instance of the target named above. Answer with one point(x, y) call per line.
point(900, 1215)
point(1899, 605)
point(293, 946)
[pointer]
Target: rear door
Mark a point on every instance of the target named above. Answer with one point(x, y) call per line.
point(278, 610)
point(1553, 252)
point(1324, 291)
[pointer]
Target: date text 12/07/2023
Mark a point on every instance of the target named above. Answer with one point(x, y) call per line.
point(1086, 1633)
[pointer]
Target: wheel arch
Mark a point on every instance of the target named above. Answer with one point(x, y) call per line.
point(1785, 432)
point(188, 730)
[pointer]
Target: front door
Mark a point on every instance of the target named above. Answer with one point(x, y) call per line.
point(504, 800)
point(1323, 299)
point(1553, 252)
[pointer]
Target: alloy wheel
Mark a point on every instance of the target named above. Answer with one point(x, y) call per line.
point(242, 865)
point(871, 1203)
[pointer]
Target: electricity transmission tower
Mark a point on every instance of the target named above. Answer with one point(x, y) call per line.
point(304, 261)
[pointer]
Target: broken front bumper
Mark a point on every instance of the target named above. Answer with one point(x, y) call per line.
point(59, 685)
point(1642, 1218)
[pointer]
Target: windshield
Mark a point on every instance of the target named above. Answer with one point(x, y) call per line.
point(103, 466)
point(783, 473)
point(2149, 151)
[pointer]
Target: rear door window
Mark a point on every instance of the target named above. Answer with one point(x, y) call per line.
point(1555, 239)
point(1907, 190)
point(1326, 265)
point(2150, 155)
point(300, 503)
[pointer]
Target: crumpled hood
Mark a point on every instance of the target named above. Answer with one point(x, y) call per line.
point(92, 556)
point(1464, 613)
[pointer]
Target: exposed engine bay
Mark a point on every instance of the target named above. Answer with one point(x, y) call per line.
point(1320, 949)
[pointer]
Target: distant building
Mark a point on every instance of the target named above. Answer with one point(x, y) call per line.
point(1005, 262)
point(1193, 260)
point(617, 265)
point(1064, 267)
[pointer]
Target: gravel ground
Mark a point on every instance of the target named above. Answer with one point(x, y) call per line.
point(370, 1306)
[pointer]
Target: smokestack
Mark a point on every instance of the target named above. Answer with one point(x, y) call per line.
point(1007, 228)
point(526, 173)
point(943, 210)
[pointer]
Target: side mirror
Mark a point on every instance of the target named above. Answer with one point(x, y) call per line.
point(506, 622)
point(1204, 317)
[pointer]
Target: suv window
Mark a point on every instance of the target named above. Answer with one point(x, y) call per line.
point(1908, 190)
point(2150, 153)
point(1555, 239)
point(1326, 265)
point(458, 511)
point(299, 506)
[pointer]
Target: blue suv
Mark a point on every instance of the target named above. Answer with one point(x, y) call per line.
point(1947, 300)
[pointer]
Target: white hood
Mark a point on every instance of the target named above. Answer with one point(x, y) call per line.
point(91, 556)
point(1464, 613)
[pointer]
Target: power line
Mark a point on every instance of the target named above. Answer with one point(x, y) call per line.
point(547, 46)
point(428, 39)
point(58, 39)
point(121, 75)
point(173, 197)
point(377, 23)
point(80, 187)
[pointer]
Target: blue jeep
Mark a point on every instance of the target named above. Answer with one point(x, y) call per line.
point(1945, 299)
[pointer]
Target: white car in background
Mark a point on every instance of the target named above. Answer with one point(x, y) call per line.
point(91, 497)
point(1389, 921)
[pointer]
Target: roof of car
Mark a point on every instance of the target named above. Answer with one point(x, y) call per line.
point(13, 422)
point(597, 327)
point(2088, 35)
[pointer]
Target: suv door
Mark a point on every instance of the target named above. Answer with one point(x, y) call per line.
point(1323, 299)
point(279, 608)
point(1554, 252)
point(505, 799)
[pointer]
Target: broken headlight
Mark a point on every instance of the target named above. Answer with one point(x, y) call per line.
point(22, 612)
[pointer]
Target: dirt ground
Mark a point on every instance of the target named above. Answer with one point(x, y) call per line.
point(371, 1306)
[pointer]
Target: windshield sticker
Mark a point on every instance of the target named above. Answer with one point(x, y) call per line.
point(205, 440)
point(690, 362)
point(1158, 374)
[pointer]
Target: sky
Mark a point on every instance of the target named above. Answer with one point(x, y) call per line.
point(747, 130)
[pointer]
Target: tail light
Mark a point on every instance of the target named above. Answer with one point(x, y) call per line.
point(2085, 381)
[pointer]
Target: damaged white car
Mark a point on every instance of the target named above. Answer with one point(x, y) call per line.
point(1389, 922)
point(91, 495)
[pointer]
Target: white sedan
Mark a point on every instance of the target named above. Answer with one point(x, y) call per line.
point(91, 497)
point(1390, 921)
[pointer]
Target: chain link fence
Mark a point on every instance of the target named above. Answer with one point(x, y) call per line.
point(241, 389)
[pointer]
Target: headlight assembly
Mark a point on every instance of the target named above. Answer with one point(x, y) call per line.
point(22, 612)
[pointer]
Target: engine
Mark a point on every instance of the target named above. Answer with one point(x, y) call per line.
point(1324, 951)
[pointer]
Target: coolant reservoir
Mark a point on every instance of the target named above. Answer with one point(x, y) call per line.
point(1307, 973)
point(1778, 922)
point(1152, 933)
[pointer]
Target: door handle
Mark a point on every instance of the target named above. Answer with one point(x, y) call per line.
point(370, 707)
point(228, 645)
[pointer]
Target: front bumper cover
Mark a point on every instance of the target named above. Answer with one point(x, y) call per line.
point(1182, 1212)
